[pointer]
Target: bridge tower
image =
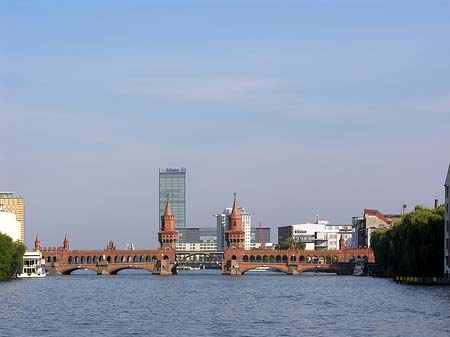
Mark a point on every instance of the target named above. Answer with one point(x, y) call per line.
point(168, 236)
point(37, 244)
point(234, 236)
point(66, 243)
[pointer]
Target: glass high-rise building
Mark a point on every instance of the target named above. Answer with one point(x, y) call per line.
point(172, 183)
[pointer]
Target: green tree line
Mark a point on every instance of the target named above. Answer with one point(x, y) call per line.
point(414, 246)
point(286, 244)
point(11, 254)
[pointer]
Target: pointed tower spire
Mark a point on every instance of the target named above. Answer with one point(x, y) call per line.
point(37, 244)
point(66, 242)
point(168, 210)
point(234, 210)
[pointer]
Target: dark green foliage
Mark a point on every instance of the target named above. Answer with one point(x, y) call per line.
point(10, 257)
point(286, 244)
point(413, 247)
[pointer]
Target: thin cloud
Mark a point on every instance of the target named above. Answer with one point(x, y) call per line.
point(203, 89)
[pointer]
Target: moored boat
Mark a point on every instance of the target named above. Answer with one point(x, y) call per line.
point(33, 266)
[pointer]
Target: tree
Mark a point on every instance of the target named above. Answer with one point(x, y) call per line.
point(414, 246)
point(286, 244)
point(11, 254)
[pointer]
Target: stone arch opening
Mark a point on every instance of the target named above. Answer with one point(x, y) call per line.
point(136, 259)
point(265, 258)
point(95, 259)
point(117, 259)
point(321, 260)
point(166, 257)
point(245, 258)
point(271, 259)
point(285, 259)
point(278, 259)
point(302, 258)
point(142, 258)
point(328, 259)
point(335, 259)
point(252, 258)
point(83, 260)
point(293, 258)
point(89, 259)
point(70, 260)
point(258, 258)
point(77, 260)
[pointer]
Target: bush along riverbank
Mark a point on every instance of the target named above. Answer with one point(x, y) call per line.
point(11, 254)
point(412, 251)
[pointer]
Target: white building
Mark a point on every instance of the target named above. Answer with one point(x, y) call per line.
point(9, 224)
point(222, 227)
point(317, 236)
point(447, 227)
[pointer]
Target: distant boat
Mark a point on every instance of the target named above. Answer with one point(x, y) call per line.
point(259, 269)
point(33, 266)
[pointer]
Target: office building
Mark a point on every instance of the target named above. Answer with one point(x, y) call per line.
point(447, 228)
point(13, 204)
point(197, 239)
point(9, 224)
point(260, 235)
point(172, 183)
point(372, 220)
point(223, 226)
point(317, 236)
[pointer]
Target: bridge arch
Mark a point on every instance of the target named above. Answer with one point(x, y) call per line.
point(114, 271)
point(282, 268)
point(70, 270)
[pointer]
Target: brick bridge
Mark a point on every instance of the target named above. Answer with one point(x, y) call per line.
point(294, 261)
point(163, 261)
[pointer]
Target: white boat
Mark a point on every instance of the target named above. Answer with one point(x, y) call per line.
point(259, 269)
point(33, 266)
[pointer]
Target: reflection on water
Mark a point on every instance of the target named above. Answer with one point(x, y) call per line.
point(204, 303)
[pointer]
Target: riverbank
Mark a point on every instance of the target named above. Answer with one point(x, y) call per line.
point(422, 280)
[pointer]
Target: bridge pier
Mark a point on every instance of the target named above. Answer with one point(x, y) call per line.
point(165, 268)
point(293, 269)
point(102, 268)
point(52, 268)
point(231, 267)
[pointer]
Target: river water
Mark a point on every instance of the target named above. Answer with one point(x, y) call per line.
point(204, 303)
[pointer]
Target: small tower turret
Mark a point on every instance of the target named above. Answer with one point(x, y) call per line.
point(66, 243)
point(235, 236)
point(341, 242)
point(168, 236)
point(37, 244)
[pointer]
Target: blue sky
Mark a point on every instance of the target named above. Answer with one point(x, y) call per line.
point(299, 106)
